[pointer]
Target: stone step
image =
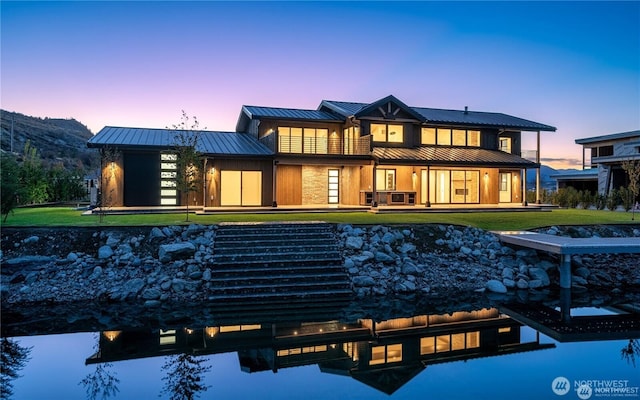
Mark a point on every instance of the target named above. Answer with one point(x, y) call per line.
point(285, 257)
point(256, 269)
point(276, 227)
point(283, 248)
point(249, 236)
point(223, 280)
point(303, 294)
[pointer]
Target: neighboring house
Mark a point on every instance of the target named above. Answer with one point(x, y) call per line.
point(586, 179)
point(606, 154)
point(382, 153)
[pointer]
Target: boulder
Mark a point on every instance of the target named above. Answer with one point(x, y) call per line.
point(363, 281)
point(539, 274)
point(156, 234)
point(354, 242)
point(496, 286)
point(522, 284)
point(384, 257)
point(31, 239)
point(176, 251)
point(105, 252)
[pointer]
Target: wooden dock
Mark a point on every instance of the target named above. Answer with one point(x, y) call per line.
point(567, 246)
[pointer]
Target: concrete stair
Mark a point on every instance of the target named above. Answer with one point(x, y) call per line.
point(273, 262)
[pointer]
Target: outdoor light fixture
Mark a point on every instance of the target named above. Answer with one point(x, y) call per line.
point(111, 335)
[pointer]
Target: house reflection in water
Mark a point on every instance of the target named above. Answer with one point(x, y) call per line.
point(384, 355)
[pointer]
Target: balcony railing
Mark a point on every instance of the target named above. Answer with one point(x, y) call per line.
point(311, 145)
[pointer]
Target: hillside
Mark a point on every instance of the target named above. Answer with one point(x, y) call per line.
point(56, 139)
point(546, 182)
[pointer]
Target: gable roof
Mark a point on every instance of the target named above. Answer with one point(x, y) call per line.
point(211, 142)
point(445, 155)
point(387, 101)
point(257, 112)
point(443, 116)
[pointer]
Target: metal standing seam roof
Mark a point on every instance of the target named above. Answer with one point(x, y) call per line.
point(443, 116)
point(290, 113)
point(437, 155)
point(613, 136)
point(211, 142)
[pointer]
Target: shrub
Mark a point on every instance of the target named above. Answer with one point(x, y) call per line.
point(626, 198)
point(612, 200)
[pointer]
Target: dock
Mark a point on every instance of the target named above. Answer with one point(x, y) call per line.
point(567, 246)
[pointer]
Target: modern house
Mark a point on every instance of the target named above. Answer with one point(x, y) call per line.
point(341, 154)
point(606, 153)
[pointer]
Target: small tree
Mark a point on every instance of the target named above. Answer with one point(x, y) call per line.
point(188, 158)
point(613, 200)
point(33, 176)
point(632, 168)
point(10, 188)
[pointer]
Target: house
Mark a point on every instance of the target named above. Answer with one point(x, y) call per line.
point(605, 154)
point(340, 154)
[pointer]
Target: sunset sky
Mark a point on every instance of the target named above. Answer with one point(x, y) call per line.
point(573, 65)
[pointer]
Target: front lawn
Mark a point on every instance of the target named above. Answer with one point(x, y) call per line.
point(57, 216)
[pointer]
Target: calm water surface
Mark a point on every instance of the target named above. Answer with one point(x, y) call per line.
point(482, 354)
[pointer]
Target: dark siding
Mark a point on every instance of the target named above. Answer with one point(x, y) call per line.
point(141, 179)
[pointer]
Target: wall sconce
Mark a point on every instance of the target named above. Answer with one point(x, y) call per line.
point(111, 335)
point(486, 175)
point(213, 170)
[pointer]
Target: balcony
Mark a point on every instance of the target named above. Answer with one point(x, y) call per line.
point(317, 145)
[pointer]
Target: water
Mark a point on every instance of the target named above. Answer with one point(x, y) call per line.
point(471, 354)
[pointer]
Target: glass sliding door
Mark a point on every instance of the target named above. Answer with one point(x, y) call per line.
point(452, 186)
point(240, 188)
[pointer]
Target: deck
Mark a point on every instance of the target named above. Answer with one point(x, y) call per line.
point(567, 246)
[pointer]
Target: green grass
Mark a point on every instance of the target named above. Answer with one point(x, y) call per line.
point(43, 217)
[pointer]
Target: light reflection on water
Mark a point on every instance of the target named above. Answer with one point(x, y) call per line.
point(57, 366)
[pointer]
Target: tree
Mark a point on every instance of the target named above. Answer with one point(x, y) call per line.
point(630, 351)
point(188, 158)
point(185, 376)
point(632, 168)
point(10, 188)
point(14, 358)
point(33, 176)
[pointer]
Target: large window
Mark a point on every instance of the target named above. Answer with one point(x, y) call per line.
point(303, 140)
point(448, 137)
point(386, 354)
point(453, 186)
point(387, 133)
point(240, 188)
point(385, 179)
point(351, 136)
point(446, 343)
point(168, 176)
point(505, 144)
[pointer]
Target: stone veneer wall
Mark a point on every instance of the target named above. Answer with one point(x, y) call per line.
point(314, 185)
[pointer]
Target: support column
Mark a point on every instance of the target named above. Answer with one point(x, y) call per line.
point(205, 174)
point(538, 200)
point(274, 186)
point(427, 203)
point(565, 271)
point(374, 194)
point(524, 186)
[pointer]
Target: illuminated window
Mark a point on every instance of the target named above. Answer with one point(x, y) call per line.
point(453, 186)
point(303, 140)
point(167, 337)
point(168, 176)
point(240, 188)
point(427, 345)
point(390, 133)
point(457, 341)
point(428, 136)
point(505, 329)
point(302, 350)
point(459, 137)
point(239, 328)
point(385, 179)
point(473, 138)
point(443, 343)
point(386, 354)
point(444, 137)
point(168, 157)
point(351, 136)
point(473, 340)
point(505, 144)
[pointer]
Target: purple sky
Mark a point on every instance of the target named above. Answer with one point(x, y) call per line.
point(573, 65)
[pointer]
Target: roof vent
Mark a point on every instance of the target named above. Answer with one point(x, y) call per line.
point(466, 109)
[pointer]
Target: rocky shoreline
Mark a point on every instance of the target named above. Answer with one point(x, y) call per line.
point(154, 266)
